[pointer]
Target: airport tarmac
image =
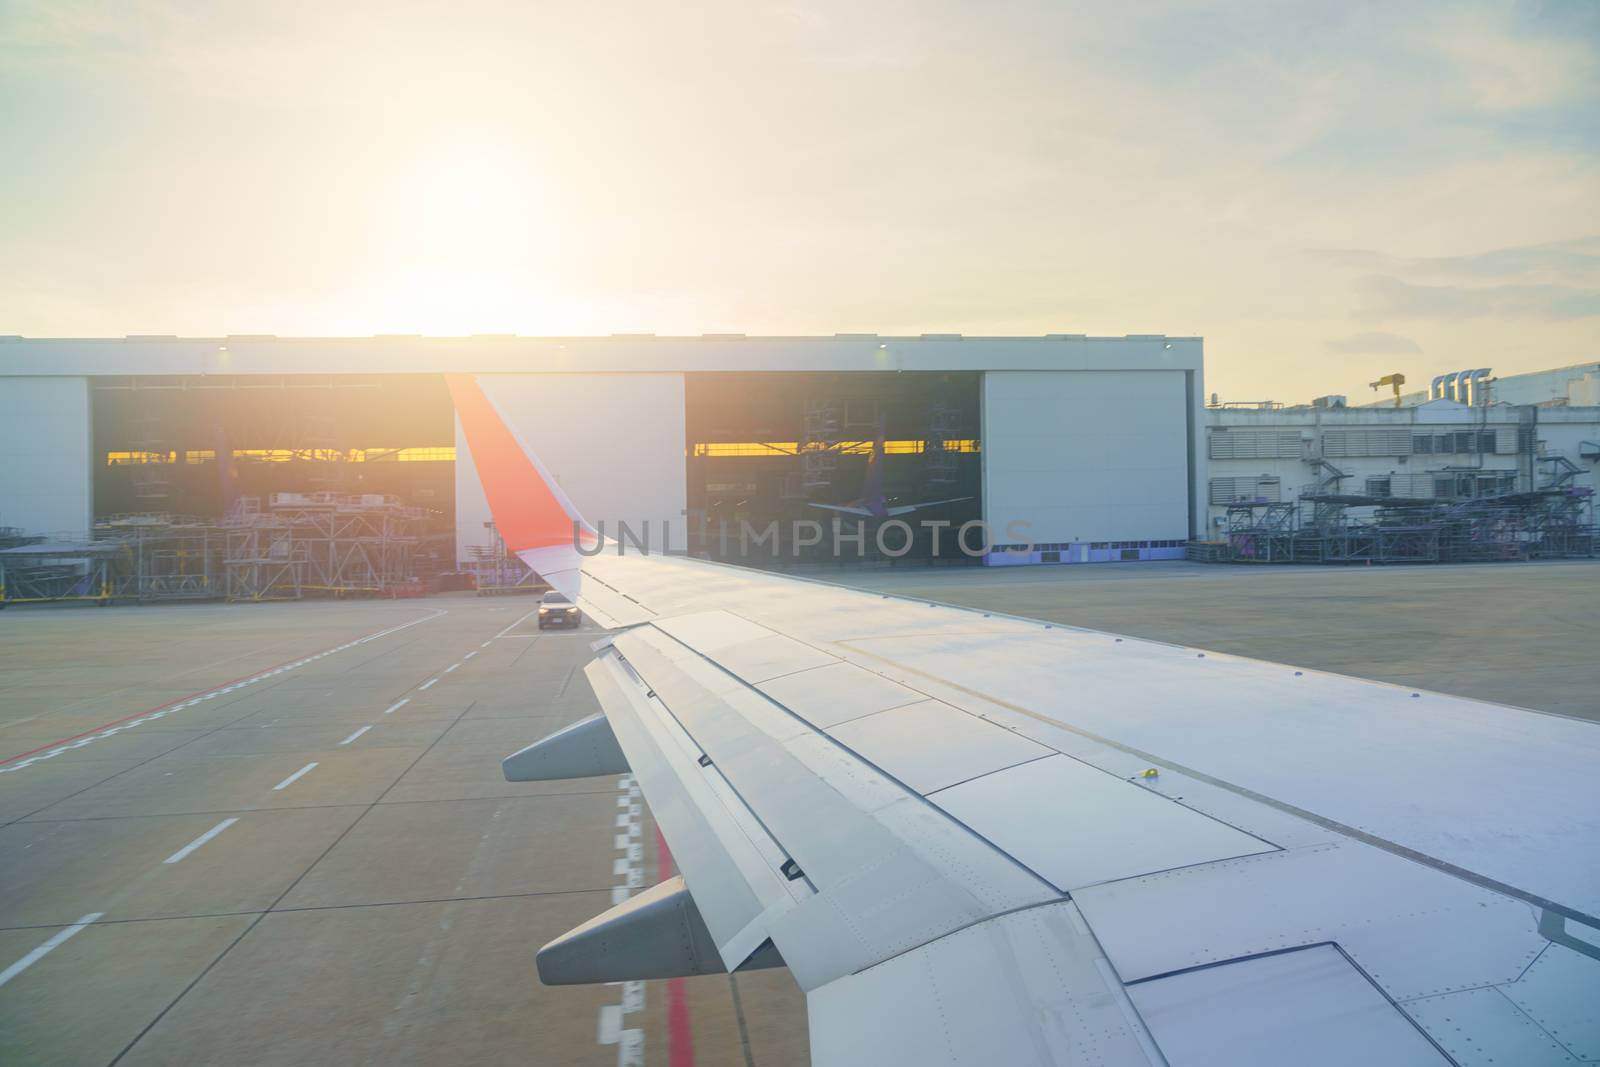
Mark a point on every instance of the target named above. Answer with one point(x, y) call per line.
point(278, 833)
point(289, 848)
point(1517, 633)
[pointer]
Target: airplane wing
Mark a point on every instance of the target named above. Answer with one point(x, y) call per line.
point(844, 509)
point(982, 839)
point(906, 509)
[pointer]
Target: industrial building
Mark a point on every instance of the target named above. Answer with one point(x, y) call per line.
point(1462, 476)
point(258, 467)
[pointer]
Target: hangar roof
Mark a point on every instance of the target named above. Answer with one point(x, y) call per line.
point(499, 353)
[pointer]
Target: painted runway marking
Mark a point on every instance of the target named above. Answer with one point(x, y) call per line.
point(355, 735)
point(428, 684)
point(508, 629)
point(628, 868)
point(295, 777)
point(469, 655)
point(48, 947)
point(202, 839)
point(56, 748)
point(396, 706)
point(452, 667)
point(680, 1033)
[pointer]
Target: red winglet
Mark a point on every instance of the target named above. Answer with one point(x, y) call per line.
point(530, 512)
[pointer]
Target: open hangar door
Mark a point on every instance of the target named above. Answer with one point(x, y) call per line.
point(200, 448)
point(767, 448)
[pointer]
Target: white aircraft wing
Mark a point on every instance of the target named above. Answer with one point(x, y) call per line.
point(976, 839)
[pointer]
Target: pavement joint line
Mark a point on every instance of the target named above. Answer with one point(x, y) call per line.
point(513, 626)
point(396, 706)
point(202, 839)
point(56, 748)
point(287, 782)
point(531, 894)
point(48, 947)
point(355, 735)
point(318, 807)
point(277, 899)
point(290, 888)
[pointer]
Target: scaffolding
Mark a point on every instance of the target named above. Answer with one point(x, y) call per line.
point(497, 571)
point(163, 557)
point(1556, 522)
point(325, 543)
point(152, 476)
point(316, 544)
point(55, 570)
point(819, 455)
point(942, 467)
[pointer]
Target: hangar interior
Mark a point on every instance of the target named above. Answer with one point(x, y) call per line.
point(767, 447)
point(157, 441)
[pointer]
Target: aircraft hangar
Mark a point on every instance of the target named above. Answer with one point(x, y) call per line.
point(1086, 448)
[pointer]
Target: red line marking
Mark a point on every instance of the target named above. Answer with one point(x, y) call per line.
point(680, 1036)
point(179, 700)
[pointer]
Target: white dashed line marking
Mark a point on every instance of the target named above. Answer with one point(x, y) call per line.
point(469, 655)
point(355, 735)
point(111, 731)
point(452, 667)
point(295, 777)
point(48, 947)
point(428, 684)
point(202, 839)
point(396, 706)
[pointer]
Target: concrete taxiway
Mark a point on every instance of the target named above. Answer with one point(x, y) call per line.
point(279, 834)
point(264, 834)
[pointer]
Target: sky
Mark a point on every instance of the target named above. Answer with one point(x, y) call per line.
point(1326, 193)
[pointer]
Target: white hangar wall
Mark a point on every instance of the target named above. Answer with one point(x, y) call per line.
point(46, 482)
point(615, 442)
point(1089, 458)
point(608, 414)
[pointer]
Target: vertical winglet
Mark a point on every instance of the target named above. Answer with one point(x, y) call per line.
point(531, 513)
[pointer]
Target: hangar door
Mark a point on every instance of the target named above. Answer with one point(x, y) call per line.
point(1086, 456)
point(615, 442)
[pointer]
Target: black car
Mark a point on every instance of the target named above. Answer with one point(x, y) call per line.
point(556, 610)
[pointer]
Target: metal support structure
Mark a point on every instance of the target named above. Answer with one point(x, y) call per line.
point(1552, 523)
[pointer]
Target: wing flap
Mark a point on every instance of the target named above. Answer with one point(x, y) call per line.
point(733, 881)
point(876, 869)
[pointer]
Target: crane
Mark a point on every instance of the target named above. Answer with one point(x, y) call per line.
point(1396, 380)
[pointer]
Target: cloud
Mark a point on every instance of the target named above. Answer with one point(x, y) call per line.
point(1578, 257)
point(1373, 343)
point(1388, 297)
point(1568, 260)
point(1507, 70)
